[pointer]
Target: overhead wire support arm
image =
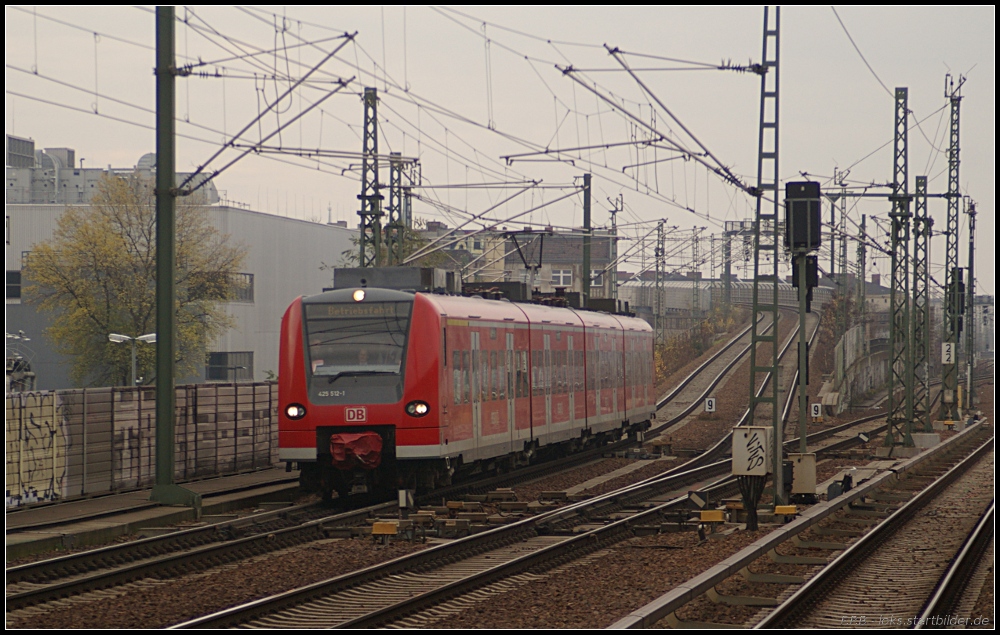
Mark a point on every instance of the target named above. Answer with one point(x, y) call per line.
point(321, 153)
point(509, 158)
point(427, 250)
point(341, 84)
point(430, 248)
point(722, 170)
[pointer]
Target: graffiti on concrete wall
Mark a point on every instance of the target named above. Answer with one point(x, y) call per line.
point(36, 449)
point(82, 442)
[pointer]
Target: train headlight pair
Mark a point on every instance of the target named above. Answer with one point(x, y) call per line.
point(295, 411)
point(417, 408)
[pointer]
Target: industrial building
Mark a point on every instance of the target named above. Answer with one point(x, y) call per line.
point(285, 259)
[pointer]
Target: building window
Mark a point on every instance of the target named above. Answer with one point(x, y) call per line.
point(13, 285)
point(562, 277)
point(597, 277)
point(244, 287)
point(229, 367)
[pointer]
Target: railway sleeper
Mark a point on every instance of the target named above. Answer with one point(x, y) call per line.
point(770, 578)
point(739, 600)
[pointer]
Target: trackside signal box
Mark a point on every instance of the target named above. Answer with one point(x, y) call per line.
point(802, 216)
point(752, 451)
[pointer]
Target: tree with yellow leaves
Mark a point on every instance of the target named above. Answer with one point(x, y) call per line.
point(97, 276)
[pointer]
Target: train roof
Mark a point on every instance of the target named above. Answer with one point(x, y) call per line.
point(478, 308)
point(475, 307)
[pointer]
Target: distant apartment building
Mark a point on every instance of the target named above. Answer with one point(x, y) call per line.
point(557, 258)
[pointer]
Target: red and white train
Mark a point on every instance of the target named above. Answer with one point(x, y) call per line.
point(382, 389)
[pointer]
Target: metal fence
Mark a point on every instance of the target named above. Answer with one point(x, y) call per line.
point(68, 443)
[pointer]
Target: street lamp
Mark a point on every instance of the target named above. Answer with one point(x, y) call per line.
point(119, 339)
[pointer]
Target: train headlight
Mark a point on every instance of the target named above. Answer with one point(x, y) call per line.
point(359, 295)
point(417, 408)
point(295, 411)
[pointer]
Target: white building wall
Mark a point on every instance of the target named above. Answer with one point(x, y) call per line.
point(283, 254)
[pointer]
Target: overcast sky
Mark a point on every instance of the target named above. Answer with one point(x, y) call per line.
point(461, 89)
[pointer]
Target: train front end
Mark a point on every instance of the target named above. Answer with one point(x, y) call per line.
point(352, 388)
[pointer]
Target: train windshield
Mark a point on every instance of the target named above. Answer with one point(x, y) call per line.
point(357, 339)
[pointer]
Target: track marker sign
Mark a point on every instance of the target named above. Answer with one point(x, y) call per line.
point(710, 404)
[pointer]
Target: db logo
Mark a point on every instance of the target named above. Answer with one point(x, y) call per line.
point(356, 415)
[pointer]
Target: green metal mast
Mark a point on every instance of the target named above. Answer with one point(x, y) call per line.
point(727, 267)
point(764, 363)
point(921, 309)
point(900, 411)
point(616, 206)
point(586, 241)
point(165, 491)
point(371, 199)
point(949, 363)
point(970, 318)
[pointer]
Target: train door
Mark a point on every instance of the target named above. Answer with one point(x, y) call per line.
point(477, 393)
point(511, 387)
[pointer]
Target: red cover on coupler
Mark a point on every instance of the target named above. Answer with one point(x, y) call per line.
point(351, 450)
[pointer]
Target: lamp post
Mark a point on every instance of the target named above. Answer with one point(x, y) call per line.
point(118, 339)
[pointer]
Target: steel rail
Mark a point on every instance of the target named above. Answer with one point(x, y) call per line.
point(650, 614)
point(785, 615)
point(944, 602)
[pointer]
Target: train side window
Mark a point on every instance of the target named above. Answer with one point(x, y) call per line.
point(456, 371)
point(548, 372)
point(556, 376)
point(562, 372)
point(519, 357)
point(525, 391)
point(522, 386)
point(535, 382)
point(501, 376)
point(557, 370)
point(494, 376)
point(518, 375)
point(475, 371)
point(466, 379)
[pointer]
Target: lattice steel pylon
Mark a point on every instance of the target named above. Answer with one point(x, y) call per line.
point(900, 410)
point(394, 227)
point(922, 224)
point(949, 371)
point(843, 319)
point(862, 273)
point(371, 200)
point(660, 266)
point(695, 287)
point(765, 408)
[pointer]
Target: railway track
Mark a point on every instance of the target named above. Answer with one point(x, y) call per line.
point(170, 555)
point(277, 539)
point(482, 564)
point(772, 567)
point(886, 578)
point(201, 548)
